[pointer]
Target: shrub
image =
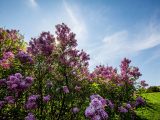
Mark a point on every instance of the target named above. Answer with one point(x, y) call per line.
point(50, 79)
point(153, 89)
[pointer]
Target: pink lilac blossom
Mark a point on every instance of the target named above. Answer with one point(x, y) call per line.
point(8, 55)
point(5, 63)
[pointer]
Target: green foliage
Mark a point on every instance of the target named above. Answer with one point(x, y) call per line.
point(152, 109)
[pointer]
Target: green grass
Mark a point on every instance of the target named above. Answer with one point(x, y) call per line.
point(152, 110)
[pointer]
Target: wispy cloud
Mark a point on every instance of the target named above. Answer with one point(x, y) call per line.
point(77, 24)
point(125, 43)
point(33, 3)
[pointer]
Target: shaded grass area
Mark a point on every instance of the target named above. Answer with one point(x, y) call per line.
point(152, 109)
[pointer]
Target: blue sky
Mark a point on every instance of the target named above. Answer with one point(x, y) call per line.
point(108, 30)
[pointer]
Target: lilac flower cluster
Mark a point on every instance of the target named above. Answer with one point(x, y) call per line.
point(17, 82)
point(8, 55)
point(4, 63)
point(32, 102)
point(65, 89)
point(125, 108)
point(46, 99)
point(70, 56)
point(96, 109)
point(127, 71)
point(30, 116)
point(9, 99)
point(24, 57)
point(2, 104)
point(65, 37)
point(109, 73)
point(9, 34)
point(43, 45)
point(6, 60)
point(74, 58)
point(139, 101)
point(104, 72)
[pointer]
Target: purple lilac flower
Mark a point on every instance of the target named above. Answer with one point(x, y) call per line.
point(96, 110)
point(97, 104)
point(29, 80)
point(46, 98)
point(128, 106)
point(24, 57)
point(102, 113)
point(64, 36)
point(1, 104)
point(65, 89)
point(102, 101)
point(9, 99)
point(33, 98)
point(30, 116)
point(31, 105)
point(8, 55)
point(139, 101)
point(19, 75)
point(43, 45)
point(110, 104)
point(95, 96)
point(75, 110)
point(90, 111)
point(123, 110)
point(18, 83)
point(96, 117)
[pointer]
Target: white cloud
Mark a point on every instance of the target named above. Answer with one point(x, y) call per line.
point(150, 38)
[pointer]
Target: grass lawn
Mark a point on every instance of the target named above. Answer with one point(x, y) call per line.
point(152, 111)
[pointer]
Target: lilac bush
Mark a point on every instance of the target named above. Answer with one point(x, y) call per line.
point(50, 79)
